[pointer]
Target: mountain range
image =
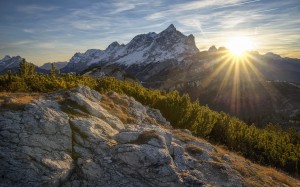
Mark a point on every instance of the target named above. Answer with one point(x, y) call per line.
point(259, 89)
point(143, 50)
point(149, 56)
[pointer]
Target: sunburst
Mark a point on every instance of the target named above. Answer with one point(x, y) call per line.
point(238, 45)
point(237, 69)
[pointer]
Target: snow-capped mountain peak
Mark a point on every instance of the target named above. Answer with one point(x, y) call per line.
point(112, 46)
point(171, 28)
point(170, 44)
point(7, 57)
point(9, 62)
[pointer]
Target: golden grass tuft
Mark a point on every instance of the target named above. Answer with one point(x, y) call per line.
point(183, 136)
point(117, 107)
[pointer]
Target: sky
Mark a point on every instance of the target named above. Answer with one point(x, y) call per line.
point(53, 30)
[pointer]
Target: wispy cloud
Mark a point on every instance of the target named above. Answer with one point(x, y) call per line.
point(126, 5)
point(236, 4)
point(32, 9)
point(191, 6)
point(29, 31)
point(122, 6)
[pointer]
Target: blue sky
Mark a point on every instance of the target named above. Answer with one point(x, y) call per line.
point(53, 30)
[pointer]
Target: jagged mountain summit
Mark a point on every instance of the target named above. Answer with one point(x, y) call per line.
point(79, 137)
point(142, 50)
point(9, 62)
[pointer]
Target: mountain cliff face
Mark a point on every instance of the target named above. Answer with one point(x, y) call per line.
point(81, 138)
point(142, 50)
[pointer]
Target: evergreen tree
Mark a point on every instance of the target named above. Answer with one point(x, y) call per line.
point(52, 71)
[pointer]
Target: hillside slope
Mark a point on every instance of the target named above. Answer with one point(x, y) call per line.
point(81, 138)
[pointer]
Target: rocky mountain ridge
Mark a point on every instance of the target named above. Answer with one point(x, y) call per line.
point(143, 49)
point(81, 138)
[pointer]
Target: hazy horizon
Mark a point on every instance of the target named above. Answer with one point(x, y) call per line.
point(53, 31)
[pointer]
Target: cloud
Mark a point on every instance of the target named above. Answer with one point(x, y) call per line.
point(237, 4)
point(49, 45)
point(192, 6)
point(33, 9)
point(31, 31)
point(122, 6)
point(127, 5)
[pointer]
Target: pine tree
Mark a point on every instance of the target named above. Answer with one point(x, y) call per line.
point(53, 71)
point(23, 69)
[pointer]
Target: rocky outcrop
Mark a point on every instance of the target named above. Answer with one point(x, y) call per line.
point(72, 138)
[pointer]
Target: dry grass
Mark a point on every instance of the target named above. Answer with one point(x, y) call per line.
point(150, 121)
point(16, 101)
point(117, 107)
point(256, 175)
point(118, 99)
point(183, 136)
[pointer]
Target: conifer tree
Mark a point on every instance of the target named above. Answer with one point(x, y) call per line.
point(52, 71)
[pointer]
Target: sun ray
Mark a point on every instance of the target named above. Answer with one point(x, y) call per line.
point(226, 77)
point(235, 94)
point(270, 89)
point(215, 72)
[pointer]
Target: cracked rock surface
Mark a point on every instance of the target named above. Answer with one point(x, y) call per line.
point(72, 138)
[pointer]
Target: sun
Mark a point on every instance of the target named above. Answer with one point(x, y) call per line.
point(239, 45)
